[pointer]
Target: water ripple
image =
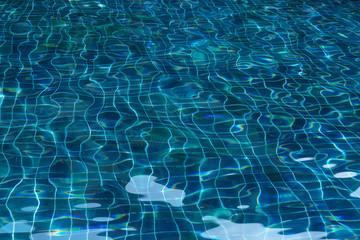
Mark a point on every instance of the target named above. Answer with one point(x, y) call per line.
point(179, 119)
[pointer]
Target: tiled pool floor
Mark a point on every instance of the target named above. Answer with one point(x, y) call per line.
point(179, 119)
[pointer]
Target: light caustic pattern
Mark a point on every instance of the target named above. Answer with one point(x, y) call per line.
point(179, 119)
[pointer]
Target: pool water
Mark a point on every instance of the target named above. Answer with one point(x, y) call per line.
point(179, 119)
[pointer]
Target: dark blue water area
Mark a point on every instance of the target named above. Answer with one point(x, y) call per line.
point(179, 119)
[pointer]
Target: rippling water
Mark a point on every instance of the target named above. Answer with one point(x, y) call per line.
point(179, 119)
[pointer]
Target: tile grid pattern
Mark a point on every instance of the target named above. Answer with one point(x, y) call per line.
point(160, 119)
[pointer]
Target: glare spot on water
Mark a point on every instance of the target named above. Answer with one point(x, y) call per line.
point(128, 229)
point(145, 185)
point(88, 205)
point(228, 230)
point(29, 209)
point(304, 159)
point(102, 219)
point(18, 226)
point(347, 174)
point(330, 165)
point(243, 206)
point(356, 193)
